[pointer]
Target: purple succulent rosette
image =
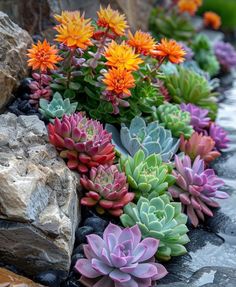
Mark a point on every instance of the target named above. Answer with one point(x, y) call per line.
point(226, 55)
point(219, 135)
point(189, 52)
point(199, 117)
point(196, 188)
point(120, 259)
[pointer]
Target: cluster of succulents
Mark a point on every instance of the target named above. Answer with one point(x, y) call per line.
point(81, 141)
point(196, 188)
point(120, 109)
point(199, 145)
point(226, 55)
point(56, 108)
point(120, 258)
point(170, 25)
point(174, 119)
point(151, 138)
point(162, 219)
point(107, 188)
point(204, 54)
point(146, 175)
point(187, 86)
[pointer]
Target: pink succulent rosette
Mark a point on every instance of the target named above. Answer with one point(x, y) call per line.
point(196, 188)
point(120, 259)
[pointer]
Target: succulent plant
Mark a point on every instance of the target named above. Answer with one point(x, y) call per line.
point(204, 54)
point(219, 135)
point(172, 118)
point(120, 258)
point(201, 145)
point(187, 86)
point(196, 188)
point(170, 25)
point(40, 88)
point(107, 189)
point(146, 174)
point(151, 138)
point(82, 141)
point(199, 119)
point(189, 52)
point(56, 108)
point(159, 218)
point(226, 55)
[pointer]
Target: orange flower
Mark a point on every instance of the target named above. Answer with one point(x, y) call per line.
point(142, 42)
point(122, 56)
point(212, 19)
point(119, 81)
point(170, 49)
point(67, 16)
point(112, 19)
point(198, 2)
point(188, 6)
point(75, 32)
point(42, 56)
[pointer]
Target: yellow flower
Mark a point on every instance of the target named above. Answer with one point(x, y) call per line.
point(119, 81)
point(112, 19)
point(170, 49)
point(75, 33)
point(42, 56)
point(212, 19)
point(142, 42)
point(67, 16)
point(122, 56)
point(188, 6)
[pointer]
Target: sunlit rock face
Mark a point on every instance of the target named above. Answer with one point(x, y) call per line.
point(38, 198)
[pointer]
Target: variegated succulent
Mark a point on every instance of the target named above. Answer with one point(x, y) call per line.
point(151, 138)
point(82, 142)
point(159, 218)
point(107, 189)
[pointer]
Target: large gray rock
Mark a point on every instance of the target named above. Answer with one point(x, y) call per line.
point(39, 209)
point(13, 49)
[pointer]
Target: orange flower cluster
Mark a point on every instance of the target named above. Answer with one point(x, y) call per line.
point(43, 57)
point(189, 6)
point(74, 30)
point(119, 81)
point(113, 20)
point(169, 49)
point(212, 20)
point(142, 42)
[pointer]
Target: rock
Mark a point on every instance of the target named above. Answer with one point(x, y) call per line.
point(13, 49)
point(37, 16)
point(97, 223)
point(10, 279)
point(39, 210)
point(81, 233)
point(50, 278)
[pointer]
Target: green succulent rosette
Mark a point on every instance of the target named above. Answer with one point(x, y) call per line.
point(162, 219)
point(56, 108)
point(174, 119)
point(187, 86)
point(146, 174)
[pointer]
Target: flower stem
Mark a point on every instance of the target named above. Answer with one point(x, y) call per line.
point(71, 55)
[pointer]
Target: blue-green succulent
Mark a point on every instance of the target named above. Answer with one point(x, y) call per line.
point(151, 138)
point(56, 108)
point(162, 219)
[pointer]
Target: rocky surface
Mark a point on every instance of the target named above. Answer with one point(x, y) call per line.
point(211, 260)
point(39, 209)
point(37, 16)
point(10, 279)
point(13, 48)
